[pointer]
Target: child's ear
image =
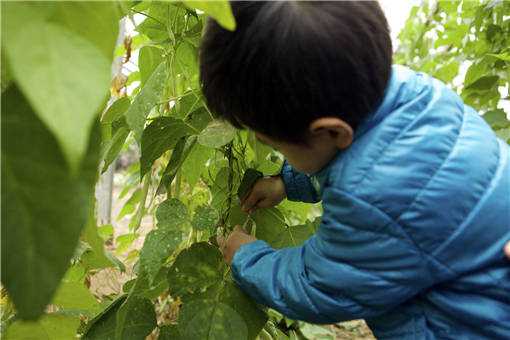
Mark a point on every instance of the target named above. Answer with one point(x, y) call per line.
point(340, 132)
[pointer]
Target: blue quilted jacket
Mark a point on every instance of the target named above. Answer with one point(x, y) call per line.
point(416, 214)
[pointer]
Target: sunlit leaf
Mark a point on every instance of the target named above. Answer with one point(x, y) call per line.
point(44, 205)
point(219, 10)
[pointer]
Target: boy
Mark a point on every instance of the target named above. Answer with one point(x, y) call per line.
point(414, 185)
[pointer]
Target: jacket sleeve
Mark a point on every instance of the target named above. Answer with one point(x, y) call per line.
point(298, 186)
point(359, 264)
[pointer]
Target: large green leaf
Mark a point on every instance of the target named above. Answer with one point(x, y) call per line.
point(98, 22)
point(45, 205)
point(169, 333)
point(496, 119)
point(206, 218)
point(194, 165)
point(148, 97)
point(74, 296)
point(149, 58)
point(483, 83)
point(186, 63)
point(102, 326)
point(136, 318)
point(116, 110)
point(213, 306)
point(211, 320)
point(219, 10)
point(158, 245)
point(271, 227)
point(171, 213)
point(161, 135)
point(49, 327)
point(195, 269)
point(64, 75)
point(141, 286)
point(216, 134)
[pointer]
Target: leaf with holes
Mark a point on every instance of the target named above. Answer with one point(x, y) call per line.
point(211, 300)
point(172, 214)
point(206, 218)
point(158, 245)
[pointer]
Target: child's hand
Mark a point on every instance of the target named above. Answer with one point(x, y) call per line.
point(267, 192)
point(236, 239)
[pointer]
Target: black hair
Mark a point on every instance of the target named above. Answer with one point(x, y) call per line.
point(288, 63)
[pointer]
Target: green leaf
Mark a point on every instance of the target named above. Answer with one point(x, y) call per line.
point(199, 118)
point(75, 296)
point(194, 165)
point(171, 213)
point(250, 177)
point(161, 135)
point(447, 72)
point(169, 333)
point(317, 332)
point(271, 227)
point(158, 245)
point(114, 145)
point(105, 231)
point(131, 203)
point(125, 241)
point(102, 326)
point(49, 327)
point(179, 155)
point(149, 58)
point(154, 30)
point(211, 300)
point(196, 269)
point(504, 134)
point(483, 83)
point(210, 319)
point(141, 286)
point(95, 257)
point(206, 218)
point(219, 10)
point(216, 134)
point(220, 189)
point(116, 110)
point(136, 319)
point(185, 61)
point(44, 205)
point(148, 97)
point(98, 22)
point(74, 71)
point(502, 56)
point(187, 104)
point(496, 119)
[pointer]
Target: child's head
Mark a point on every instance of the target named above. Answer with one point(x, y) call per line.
point(294, 71)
